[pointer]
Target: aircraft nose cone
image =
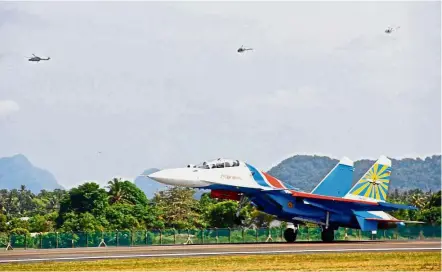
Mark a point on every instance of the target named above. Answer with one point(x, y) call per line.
point(176, 177)
point(158, 176)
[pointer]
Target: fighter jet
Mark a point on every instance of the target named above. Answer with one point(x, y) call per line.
point(242, 49)
point(333, 203)
point(37, 59)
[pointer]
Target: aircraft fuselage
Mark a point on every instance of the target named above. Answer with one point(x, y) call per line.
point(244, 178)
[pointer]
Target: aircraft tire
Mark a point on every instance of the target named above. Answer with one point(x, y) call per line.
point(290, 235)
point(328, 235)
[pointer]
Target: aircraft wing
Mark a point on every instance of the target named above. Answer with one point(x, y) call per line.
point(247, 189)
point(345, 204)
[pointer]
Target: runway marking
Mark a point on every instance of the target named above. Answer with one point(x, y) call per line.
point(89, 250)
point(218, 253)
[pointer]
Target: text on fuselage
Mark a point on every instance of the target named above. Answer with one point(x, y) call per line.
point(229, 177)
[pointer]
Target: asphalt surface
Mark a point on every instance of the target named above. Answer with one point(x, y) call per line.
point(75, 254)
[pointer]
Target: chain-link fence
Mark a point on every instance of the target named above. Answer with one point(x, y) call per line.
point(203, 236)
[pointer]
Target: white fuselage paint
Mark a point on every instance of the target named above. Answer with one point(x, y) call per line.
point(200, 177)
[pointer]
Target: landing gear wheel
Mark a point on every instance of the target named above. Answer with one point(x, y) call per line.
point(328, 235)
point(290, 235)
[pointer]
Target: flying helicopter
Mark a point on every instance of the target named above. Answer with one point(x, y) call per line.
point(36, 58)
point(242, 49)
point(390, 30)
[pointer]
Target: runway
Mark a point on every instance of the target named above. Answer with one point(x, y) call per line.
point(77, 254)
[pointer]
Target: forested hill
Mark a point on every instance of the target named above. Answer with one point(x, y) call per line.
point(18, 170)
point(305, 172)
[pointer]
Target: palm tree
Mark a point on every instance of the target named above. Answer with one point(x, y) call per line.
point(53, 203)
point(11, 203)
point(117, 194)
point(25, 200)
point(419, 200)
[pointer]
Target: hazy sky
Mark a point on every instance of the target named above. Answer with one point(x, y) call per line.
point(161, 84)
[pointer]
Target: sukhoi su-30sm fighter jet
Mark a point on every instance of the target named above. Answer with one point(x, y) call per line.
point(333, 203)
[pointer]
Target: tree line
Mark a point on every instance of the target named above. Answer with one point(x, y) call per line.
point(121, 205)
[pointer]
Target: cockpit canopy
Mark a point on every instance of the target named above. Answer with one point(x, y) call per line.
point(218, 163)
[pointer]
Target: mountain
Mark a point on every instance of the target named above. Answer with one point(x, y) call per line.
point(305, 172)
point(147, 185)
point(18, 170)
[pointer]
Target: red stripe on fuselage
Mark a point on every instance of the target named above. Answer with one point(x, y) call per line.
point(273, 181)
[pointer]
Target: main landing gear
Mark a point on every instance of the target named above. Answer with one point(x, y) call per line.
point(290, 234)
point(327, 230)
point(328, 233)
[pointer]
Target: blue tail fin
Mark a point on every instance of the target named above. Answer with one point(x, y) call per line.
point(338, 181)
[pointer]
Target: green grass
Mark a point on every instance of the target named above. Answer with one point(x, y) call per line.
point(385, 261)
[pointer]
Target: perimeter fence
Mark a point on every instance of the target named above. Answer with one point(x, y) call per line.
point(202, 236)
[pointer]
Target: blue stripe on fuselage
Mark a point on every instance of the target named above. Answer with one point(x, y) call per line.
point(257, 176)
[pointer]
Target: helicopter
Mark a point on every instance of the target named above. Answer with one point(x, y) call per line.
point(389, 29)
point(242, 49)
point(36, 58)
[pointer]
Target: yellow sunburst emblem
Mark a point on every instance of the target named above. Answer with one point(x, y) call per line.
point(375, 183)
point(372, 180)
point(290, 204)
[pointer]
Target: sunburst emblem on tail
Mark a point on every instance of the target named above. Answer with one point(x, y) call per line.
point(374, 184)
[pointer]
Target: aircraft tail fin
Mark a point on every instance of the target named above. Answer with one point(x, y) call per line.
point(374, 184)
point(337, 181)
